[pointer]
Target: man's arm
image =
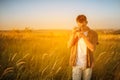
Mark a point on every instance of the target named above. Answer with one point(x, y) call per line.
point(72, 39)
point(90, 44)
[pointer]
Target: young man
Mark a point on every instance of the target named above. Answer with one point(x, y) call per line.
point(82, 43)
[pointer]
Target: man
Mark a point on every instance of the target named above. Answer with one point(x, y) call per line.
point(82, 43)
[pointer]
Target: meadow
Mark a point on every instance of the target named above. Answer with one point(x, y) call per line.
point(43, 55)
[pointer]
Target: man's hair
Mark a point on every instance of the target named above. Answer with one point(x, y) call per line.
point(81, 18)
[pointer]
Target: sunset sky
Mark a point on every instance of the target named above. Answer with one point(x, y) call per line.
point(58, 14)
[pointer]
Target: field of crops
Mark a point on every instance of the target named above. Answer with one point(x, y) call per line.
point(43, 55)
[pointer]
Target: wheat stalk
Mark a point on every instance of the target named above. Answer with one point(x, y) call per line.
point(44, 70)
point(20, 63)
point(58, 70)
point(7, 70)
point(25, 56)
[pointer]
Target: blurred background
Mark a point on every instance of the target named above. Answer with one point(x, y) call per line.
point(58, 14)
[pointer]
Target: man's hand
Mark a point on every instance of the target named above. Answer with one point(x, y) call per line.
point(79, 34)
point(74, 30)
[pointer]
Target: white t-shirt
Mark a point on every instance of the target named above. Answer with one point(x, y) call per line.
point(81, 51)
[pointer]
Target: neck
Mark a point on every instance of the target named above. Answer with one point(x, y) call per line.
point(85, 28)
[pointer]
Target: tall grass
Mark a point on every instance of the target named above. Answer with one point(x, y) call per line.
point(43, 55)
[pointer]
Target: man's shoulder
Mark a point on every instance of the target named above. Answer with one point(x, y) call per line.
point(93, 32)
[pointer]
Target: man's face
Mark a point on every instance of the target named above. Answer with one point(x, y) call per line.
point(80, 24)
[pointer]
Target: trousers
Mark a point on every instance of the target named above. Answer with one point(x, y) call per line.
point(79, 73)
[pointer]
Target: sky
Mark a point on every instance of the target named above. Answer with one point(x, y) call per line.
point(58, 14)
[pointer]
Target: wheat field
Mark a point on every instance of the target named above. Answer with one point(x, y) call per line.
point(43, 55)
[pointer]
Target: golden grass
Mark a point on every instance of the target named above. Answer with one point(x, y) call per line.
point(43, 55)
